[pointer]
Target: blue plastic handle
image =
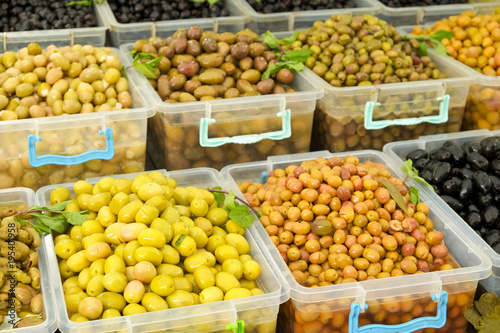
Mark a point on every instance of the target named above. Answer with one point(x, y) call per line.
point(105, 154)
point(284, 133)
point(440, 118)
point(437, 321)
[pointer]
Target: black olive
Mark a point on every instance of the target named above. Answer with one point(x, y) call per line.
point(441, 172)
point(477, 161)
point(420, 163)
point(469, 147)
point(496, 247)
point(455, 204)
point(433, 153)
point(466, 189)
point(491, 216)
point(431, 165)
point(436, 188)
point(474, 220)
point(493, 236)
point(474, 208)
point(484, 231)
point(495, 183)
point(467, 173)
point(488, 147)
point(417, 154)
point(482, 181)
point(457, 154)
point(450, 186)
point(426, 174)
point(495, 166)
point(484, 199)
point(456, 172)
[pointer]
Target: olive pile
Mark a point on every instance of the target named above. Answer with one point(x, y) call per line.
point(19, 274)
point(364, 50)
point(467, 179)
point(333, 221)
point(475, 43)
point(61, 81)
point(131, 11)
point(203, 66)
point(24, 15)
point(273, 6)
point(150, 245)
point(418, 3)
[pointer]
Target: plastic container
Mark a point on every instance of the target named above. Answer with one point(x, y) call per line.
point(95, 36)
point(398, 151)
point(122, 33)
point(331, 308)
point(21, 198)
point(289, 21)
point(257, 312)
point(367, 117)
point(52, 150)
point(482, 109)
point(425, 14)
point(220, 132)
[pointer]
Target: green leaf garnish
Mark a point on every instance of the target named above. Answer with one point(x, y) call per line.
point(275, 68)
point(422, 49)
point(395, 194)
point(434, 40)
point(239, 213)
point(219, 197)
point(485, 313)
point(270, 40)
point(59, 220)
point(211, 2)
point(292, 39)
point(442, 34)
point(408, 168)
point(149, 69)
point(180, 239)
point(298, 55)
point(414, 197)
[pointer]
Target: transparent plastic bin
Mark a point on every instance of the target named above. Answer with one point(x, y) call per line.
point(75, 146)
point(21, 198)
point(221, 132)
point(425, 14)
point(482, 109)
point(95, 36)
point(258, 313)
point(122, 33)
point(398, 151)
point(367, 117)
point(289, 21)
point(329, 307)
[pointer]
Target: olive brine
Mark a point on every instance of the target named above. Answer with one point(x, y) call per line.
point(467, 178)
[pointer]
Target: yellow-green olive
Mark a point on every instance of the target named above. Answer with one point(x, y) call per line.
point(153, 302)
point(131, 231)
point(251, 269)
point(134, 291)
point(95, 286)
point(237, 293)
point(115, 282)
point(133, 308)
point(203, 277)
point(98, 250)
point(234, 267)
point(148, 253)
point(226, 281)
point(211, 294)
point(111, 300)
point(180, 298)
point(170, 255)
point(78, 261)
point(162, 285)
point(239, 242)
point(152, 237)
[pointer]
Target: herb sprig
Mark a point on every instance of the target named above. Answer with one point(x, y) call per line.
point(86, 3)
point(211, 2)
point(148, 68)
point(239, 213)
point(293, 60)
point(59, 220)
point(434, 40)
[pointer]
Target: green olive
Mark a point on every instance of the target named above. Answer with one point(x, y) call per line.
point(171, 215)
point(110, 313)
point(239, 242)
point(162, 285)
point(186, 245)
point(149, 190)
point(95, 286)
point(133, 308)
point(214, 242)
point(97, 267)
point(195, 261)
point(225, 252)
point(199, 236)
point(146, 214)
point(198, 207)
point(91, 227)
point(112, 233)
point(149, 253)
point(145, 271)
point(128, 212)
point(170, 255)
point(73, 297)
point(59, 194)
point(134, 291)
point(152, 237)
point(234, 267)
point(115, 282)
point(217, 216)
point(204, 277)
point(153, 302)
point(182, 283)
point(97, 201)
point(77, 262)
point(119, 201)
point(131, 231)
point(105, 216)
point(84, 278)
point(111, 300)
point(180, 298)
point(66, 248)
point(90, 308)
point(121, 185)
point(169, 269)
point(251, 269)
point(98, 250)
point(165, 227)
point(129, 252)
point(211, 294)
point(158, 201)
point(237, 293)
point(114, 264)
point(226, 281)
point(87, 241)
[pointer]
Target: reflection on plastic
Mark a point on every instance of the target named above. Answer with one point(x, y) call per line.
point(437, 321)
point(440, 118)
point(284, 133)
point(105, 154)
